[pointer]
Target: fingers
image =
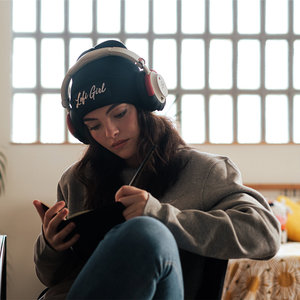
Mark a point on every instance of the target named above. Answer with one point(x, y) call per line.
point(134, 199)
point(53, 223)
point(64, 246)
point(39, 207)
point(54, 210)
point(134, 210)
point(58, 240)
point(127, 190)
point(51, 217)
point(47, 213)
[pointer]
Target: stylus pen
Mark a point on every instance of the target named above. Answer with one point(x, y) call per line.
point(140, 169)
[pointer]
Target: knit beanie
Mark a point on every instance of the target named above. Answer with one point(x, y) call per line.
point(105, 81)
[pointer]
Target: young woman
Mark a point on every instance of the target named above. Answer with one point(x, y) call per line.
point(184, 200)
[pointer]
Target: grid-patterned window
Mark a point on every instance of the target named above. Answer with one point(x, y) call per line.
point(231, 66)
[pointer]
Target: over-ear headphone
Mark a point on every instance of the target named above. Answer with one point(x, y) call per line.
point(151, 86)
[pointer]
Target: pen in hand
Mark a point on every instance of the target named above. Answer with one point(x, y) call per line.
point(134, 178)
point(141, 167)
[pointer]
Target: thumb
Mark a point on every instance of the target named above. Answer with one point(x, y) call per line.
point(40, 209)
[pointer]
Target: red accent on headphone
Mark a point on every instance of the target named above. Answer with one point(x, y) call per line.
point(70, 125)
point(148, 85)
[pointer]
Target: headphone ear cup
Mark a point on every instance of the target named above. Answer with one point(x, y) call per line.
point(76, 128)
point(147, 94)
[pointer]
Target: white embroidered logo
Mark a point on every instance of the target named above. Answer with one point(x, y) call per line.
point(93, 91)
point(81, 100)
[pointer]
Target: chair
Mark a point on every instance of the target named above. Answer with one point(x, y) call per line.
point(203, 276)
point(42, 293)
point(2, 267)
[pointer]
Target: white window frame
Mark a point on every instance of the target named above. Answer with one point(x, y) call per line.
point(290, 37)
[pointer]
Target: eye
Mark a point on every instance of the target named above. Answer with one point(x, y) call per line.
point(122, 114)
point(94, 127)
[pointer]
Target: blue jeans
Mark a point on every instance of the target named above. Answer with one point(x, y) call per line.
point(137, 259)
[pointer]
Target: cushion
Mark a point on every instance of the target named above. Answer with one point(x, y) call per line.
point(293, 220)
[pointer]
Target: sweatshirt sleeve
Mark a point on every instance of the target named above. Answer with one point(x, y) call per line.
point(213, 214)
point(52, 266)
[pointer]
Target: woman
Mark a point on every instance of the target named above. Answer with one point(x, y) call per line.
point(184, 199)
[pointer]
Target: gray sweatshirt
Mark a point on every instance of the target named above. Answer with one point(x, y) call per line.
point(208, 211)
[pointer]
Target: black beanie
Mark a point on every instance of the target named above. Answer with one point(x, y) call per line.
point(105, 81)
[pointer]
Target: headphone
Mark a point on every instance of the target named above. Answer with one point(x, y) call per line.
point(151, 86)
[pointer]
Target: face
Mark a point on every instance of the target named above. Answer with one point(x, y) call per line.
point(116, 128)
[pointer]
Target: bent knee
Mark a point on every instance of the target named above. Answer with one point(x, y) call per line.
point(148, 232)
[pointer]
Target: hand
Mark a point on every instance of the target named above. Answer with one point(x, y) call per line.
point(134, 199)
point(50, 220)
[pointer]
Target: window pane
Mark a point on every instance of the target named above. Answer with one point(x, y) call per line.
point(220, 64)
point(108, 13)
point(131, 16)
point(192, 70)
point(53, 70)
point(248, 64)
point(24, 118)
point(24, 22)
point(164, 16)
point(276, 119)
point(249, 119)
point(220, 119)
point(248, 18)
point(220, 16)
point(296, 17)
point(296, 124)
point(276, 64)
point(77, 46)
point(52, 132)
point(170, 109)
point(276, 16)
point(78, 9)
point(193, 16)
point(296, 64)
point(140, 47)
point(72, 139)
point(193, 119)
point(164, 60)
point(24, 63)
point(49, 9)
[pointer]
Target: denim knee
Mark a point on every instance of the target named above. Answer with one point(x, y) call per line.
point(139, 257)
point(146, 233)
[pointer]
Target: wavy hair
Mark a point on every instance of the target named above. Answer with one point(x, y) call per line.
point(99, 169)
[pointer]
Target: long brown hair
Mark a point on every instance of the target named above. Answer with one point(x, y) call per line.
point(99, 169)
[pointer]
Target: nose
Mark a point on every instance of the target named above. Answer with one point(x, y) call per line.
point(111, 130)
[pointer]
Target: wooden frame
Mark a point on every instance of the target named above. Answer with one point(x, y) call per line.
point(273, 186)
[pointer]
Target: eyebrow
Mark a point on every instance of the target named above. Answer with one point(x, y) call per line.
point(112, 107)
point(107, 112)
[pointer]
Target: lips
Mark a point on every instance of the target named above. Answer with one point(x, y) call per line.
point(119, 144)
